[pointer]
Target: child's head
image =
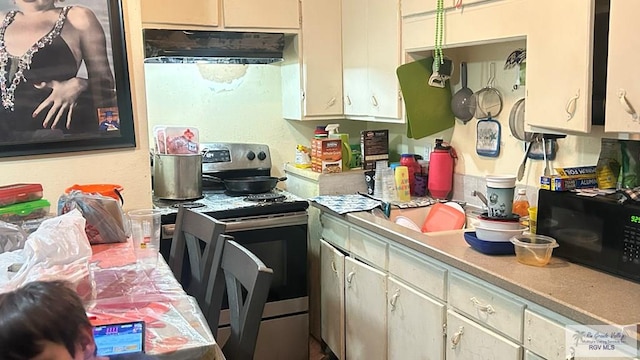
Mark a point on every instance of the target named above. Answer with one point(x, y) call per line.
point(44, 320)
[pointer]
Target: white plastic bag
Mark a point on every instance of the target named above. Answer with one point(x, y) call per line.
point(58, 250)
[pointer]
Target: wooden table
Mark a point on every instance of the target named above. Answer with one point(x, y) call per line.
point(127, 291)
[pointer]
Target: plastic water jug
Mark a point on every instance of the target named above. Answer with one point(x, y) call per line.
point(441, 163)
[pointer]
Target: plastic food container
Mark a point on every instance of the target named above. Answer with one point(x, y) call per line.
point(18, 193)
point(534, 249)
point(25, 211)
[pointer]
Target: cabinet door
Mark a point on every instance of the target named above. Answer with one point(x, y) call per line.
point(322, 58)
point(187, 12)
point(383, 43)
point(622, 68)
point(468, 340)
point(272, 14)
point(354, 57)
point(559, 63)
point(366, 312)
point(415, 324)
point(332, 298)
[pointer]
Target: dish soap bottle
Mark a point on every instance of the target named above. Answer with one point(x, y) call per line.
point(521, 203)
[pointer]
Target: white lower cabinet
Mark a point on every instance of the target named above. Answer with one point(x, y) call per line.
point(415, 324)
point(365, 311)
point(528, 355)
point(544, 336)
point(468, 340)
point(332, 298)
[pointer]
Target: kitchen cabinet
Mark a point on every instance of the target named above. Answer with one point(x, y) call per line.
point(232, 14)
point(186, 12)
point(414, 7)
point(493, 21)
point(272, 14)
point(623, 87)
point(332, 298)
point(468, 340)
point(312, 71)
point(370, 56)
point(559, 63)
point(365, 311)
point(413, 318)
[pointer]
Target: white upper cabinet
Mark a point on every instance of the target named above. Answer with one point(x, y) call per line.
point(481, 23)
point(371, 54)
point(559, 64)
point(413, 7)
point(272, 14)
point(185, 12)
point(312, 72)
point(623, 85)
point(240, 14)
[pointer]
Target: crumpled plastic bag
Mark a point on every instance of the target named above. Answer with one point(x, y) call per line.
point(58, 250)
point(105, 218)
point(12, 237)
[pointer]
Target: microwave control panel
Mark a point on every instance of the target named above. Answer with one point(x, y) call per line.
point(631, 245)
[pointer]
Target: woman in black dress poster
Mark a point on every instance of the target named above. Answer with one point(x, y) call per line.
point(44, 51)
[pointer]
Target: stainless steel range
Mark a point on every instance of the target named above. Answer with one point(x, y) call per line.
point(273, 226)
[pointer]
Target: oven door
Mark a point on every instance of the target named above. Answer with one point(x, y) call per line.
point(280, 241)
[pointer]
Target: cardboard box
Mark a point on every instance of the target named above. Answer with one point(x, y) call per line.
point(326, 156)
point(566, 183)
point(584, 171)
point(374, 146)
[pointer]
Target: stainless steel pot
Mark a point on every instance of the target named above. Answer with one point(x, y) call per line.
point(177, 177)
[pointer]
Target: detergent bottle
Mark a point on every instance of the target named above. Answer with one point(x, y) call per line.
point(441, 164)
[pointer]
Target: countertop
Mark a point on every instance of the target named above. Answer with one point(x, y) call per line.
point(584, 295)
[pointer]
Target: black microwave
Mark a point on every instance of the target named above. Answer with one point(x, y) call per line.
point(599, 231)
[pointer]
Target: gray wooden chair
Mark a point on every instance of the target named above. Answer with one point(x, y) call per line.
point(246, 280)
point(198, 233)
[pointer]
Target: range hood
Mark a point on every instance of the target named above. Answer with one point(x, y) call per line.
point(216, 47)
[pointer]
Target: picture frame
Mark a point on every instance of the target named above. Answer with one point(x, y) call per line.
point(102, 115)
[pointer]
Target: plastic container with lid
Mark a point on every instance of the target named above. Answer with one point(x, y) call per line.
point(25, 211)
point(441, 164)
point(18, 193)
point(521, 203)
point(413, 168)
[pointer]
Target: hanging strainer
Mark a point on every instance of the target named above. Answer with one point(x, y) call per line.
point(516, 122)
point(487, 101)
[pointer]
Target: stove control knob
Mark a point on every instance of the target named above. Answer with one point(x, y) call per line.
point(251, 155)
point(262, 155)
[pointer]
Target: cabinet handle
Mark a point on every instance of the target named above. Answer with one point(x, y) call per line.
point(484, 308)
point(572, 354)
point(455, 339)
point(333, 267)
point(572, 105)
point(348, 100)
point(626, 105)
point(374, 101)
point(350, 277)
point(302, 95)
point(331, 102)
point(394, 299)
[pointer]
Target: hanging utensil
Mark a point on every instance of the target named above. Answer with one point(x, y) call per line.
point(516, 122)
point(523, 164)
point(460, 103)
point(488, 137)
point(488, 101)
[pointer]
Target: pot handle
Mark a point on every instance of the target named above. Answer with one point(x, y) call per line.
point(212, 178)
point(282, 178)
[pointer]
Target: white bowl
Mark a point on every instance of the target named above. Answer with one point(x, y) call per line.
point(498, 234)
point(498, 224)
point(408, 223)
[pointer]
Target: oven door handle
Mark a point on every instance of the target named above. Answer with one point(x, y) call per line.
point(167, 231)
point(299, 218)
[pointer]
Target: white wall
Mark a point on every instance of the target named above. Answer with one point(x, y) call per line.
point(127, 167)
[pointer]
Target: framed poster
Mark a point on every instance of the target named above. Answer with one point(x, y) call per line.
point(64, 82)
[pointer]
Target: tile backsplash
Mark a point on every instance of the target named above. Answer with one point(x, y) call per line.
point(464, 185)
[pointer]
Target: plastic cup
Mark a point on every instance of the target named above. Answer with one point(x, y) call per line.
point(500, 189)
point(145, 235)
point(533, 219)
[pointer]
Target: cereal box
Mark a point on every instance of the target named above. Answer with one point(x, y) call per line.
point(326, 155)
